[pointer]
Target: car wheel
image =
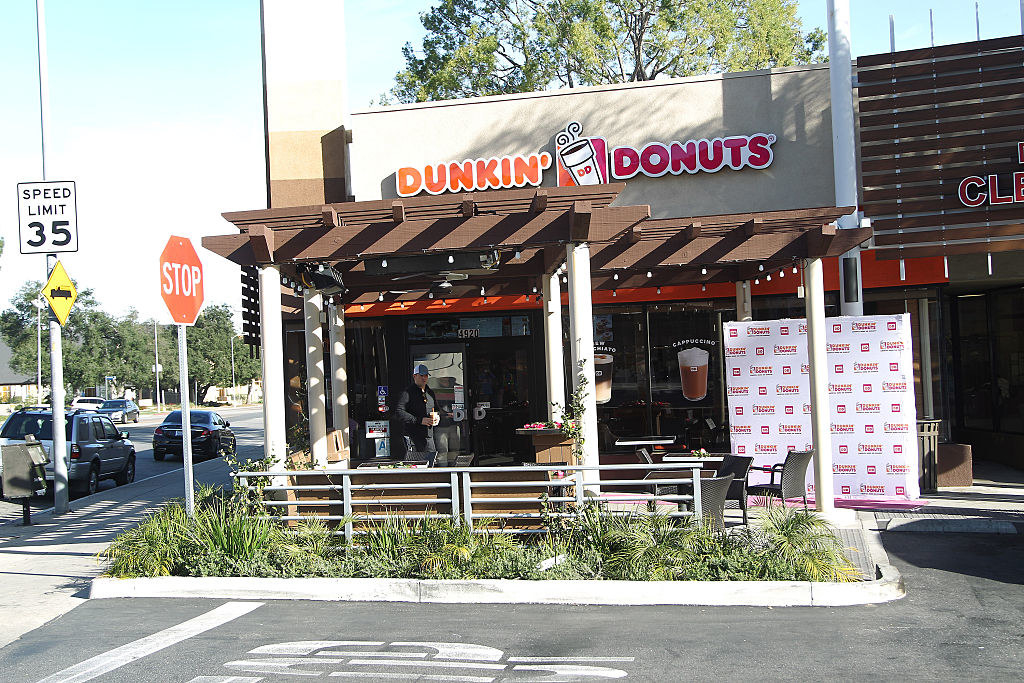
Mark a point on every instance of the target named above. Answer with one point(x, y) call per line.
point(127, 475)
point(158, 455)
point(92, 484)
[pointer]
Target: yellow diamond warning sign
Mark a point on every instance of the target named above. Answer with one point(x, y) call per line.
point(60, 292)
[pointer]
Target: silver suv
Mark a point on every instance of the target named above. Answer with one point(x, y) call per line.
point(95, 448)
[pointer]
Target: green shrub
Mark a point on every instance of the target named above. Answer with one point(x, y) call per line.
point(232, 536)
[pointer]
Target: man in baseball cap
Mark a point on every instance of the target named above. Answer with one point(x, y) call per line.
point(417, 410)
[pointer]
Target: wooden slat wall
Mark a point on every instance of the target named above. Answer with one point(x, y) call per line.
point(929, 118)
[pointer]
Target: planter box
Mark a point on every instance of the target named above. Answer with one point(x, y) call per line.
point(550, 446)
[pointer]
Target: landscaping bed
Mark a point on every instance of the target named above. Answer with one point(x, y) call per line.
point(231, 536)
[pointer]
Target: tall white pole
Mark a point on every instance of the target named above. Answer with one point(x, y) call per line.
point(232, 368)
point(844, 156)
point(581, 331)
point(821, 428)
point(554, 367)
point(316, 392)
point(186, 421)
point(39, 350)
point(44, 81)
point(156, 365)
point(339, 372)
point(275, 445)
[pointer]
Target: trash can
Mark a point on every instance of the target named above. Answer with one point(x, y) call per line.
point(927, 454)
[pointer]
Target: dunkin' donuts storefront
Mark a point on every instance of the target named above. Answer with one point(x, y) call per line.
point(698, 200)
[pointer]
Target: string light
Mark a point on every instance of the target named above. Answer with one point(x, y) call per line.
point(534, 290)
point(403, 305)
point(649, 274)
point(444, 302)
point(485, 299)
point(794, 270)
point(768, 277)
point(703, 271)
point(430, 295)
point(482, 291)
point(703, 288)
point(614, 292)
point(615, 277)
point(380, 297)
point(517, 254)
point(760, 266)
point(782, 273)
point(757, 281)
point(384, 263)
point(659, 290)
point(451, 259)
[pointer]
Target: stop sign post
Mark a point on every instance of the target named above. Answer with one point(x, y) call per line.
point(181, 286)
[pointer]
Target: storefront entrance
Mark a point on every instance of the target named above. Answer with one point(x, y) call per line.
point(483, 388)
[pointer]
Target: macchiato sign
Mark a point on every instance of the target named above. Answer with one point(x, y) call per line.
point(582, 160)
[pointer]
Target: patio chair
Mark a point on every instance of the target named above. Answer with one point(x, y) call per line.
point(713, 492)
point(791, 482)
point(739, 467)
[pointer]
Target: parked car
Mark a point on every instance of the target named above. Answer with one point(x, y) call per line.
point(120, 410)
point(87, 402)
point(95, 449)
point(211, 435)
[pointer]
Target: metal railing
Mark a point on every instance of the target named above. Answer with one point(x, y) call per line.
point(469, 492)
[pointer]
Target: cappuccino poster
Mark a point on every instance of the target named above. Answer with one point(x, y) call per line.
point(871, 400)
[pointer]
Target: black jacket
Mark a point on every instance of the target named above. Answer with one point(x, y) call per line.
point(414, 405)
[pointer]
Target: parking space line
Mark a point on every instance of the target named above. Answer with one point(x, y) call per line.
point(137, 649)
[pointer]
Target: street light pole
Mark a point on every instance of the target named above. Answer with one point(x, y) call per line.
point(156, 366)
point(233, 397)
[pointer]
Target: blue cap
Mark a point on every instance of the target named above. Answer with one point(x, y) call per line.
point(421, 369)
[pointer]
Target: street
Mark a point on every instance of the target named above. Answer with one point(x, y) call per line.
point(961, 619)
point(246, 422)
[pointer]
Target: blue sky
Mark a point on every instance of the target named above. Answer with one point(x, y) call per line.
point(156, 112)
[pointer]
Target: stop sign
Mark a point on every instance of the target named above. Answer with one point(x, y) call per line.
point(181, 280)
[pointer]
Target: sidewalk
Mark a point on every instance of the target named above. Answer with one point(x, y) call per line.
point(46, 568)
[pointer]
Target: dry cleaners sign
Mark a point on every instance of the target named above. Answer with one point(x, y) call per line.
point(582, 160)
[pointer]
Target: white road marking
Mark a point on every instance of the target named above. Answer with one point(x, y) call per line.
point(406, 655)
point(225, 679)
point(468, 651)
point(410, 677)
point(118, 657)
point(570, 659)
point(280, 665)
point(305, 647)
point(566, 672)
point(441, 665)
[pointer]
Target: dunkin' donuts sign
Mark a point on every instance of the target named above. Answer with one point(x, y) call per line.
point(871, 419)
point(582, 160)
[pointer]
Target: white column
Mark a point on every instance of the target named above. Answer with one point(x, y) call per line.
point(744, 306)
point(581, 339)
point(339, 373)
point(316, 396)
point(844, 158)
point(821, 429)
point(923, 319)
point(275, 444)
point(554, 360)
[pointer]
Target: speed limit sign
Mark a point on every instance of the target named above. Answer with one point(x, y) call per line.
point(47, 217)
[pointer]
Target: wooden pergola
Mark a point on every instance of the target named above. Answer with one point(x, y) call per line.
point(527, 230)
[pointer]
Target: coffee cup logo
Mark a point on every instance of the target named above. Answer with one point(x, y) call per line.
point(581, 161)
point(693, 372)
point(603, 377)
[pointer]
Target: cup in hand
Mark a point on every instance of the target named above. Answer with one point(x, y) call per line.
point(435, 418)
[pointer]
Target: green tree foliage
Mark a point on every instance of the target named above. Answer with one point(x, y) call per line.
point(97, 345)
point(490, 47)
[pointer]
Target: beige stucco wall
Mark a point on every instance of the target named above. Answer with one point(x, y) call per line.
point(791, 103)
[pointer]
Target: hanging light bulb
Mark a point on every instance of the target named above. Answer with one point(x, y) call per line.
point(430, 295)
point(403, 305)
point(565, 280)
point(768, 277)
point(384, 263)
point(451, 259)
point(298, 289)
point(795, 271)
point(320, 267)
point(649, 274)
point(757, 281)
point(534, 290)
point(782, 273)
point(517, 254)
point(485, 299)
point(284, 279)
point(703, 271)
point(362, 308)
point(760, 266)
point(614, 292)
point(615, 277)
point(444, 302)
point(703, 288)
point(482, 290)
point(380, 297)
point(659, 290)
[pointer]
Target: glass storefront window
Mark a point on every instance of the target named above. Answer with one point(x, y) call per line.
point(975, 369)
point(1008, 319)
point(620, 373)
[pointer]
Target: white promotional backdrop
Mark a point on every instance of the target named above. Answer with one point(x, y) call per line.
point(871, 399)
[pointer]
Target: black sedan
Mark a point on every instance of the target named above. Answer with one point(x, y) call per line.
point(211, 435)
point(120, 410)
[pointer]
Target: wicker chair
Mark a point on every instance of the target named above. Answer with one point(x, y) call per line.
point(713, 492)
point(791, 482)
point(739, 467)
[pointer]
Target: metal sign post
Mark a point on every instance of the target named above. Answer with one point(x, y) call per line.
point(60, 466)
point(186, 422)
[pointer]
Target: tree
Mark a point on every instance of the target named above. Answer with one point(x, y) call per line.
point(490, 47)
point(209, 352)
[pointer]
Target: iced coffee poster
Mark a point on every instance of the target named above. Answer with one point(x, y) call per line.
point(604, 357)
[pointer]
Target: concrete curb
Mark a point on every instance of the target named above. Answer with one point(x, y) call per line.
point(969, 525)
point(887, 587)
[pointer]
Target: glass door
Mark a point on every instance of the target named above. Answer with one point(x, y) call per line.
point(499, 400)
point(447, 367)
